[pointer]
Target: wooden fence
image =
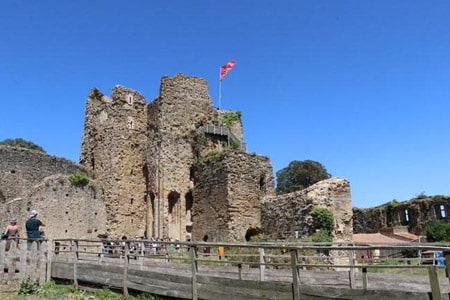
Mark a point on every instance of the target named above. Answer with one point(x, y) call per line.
point(243, 271)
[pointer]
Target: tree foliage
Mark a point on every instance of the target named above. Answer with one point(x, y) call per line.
point(21, 143)
point(299, 175)
point(437, 231)
point(324, 221)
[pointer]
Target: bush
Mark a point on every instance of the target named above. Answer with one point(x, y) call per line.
point(437, 231)
point(28, 287)
point(78, 179)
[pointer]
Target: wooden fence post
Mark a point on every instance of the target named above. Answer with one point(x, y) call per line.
point(75, 262)
point(262, 264)
point(126, 262)
point(295, 275)
point(194, 263)
point(434, 283)
point(447, 264)
point(364, 278)
point(351, 274)
point(50, 249)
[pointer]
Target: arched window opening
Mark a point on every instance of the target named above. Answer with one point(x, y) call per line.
point(189, 200)
point(262, 183)
point(192, 174)
point(251, 232)
point(173, 200)
point(442, 211)
point(406, 216)
point(130, 99)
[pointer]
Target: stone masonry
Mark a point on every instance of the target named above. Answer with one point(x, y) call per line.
point(283, 215)
point(172, 168)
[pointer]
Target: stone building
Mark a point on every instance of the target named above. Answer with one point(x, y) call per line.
point(146, 156)
point(175, 167)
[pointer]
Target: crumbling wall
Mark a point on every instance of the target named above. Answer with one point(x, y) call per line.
point(68, 211)
point(182, 107)
point(413, 214)
point(227, 195)
point(113, 149)
point(21, 169)
point(283, 215)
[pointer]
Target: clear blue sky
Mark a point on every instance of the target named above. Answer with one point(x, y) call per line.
point(361, 86)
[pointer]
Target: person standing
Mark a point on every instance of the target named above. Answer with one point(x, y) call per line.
point(32, 225)
point(12, 233)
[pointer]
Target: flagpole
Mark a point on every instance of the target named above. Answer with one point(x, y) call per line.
point(220, 92)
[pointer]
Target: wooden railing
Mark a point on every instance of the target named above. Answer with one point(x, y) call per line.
point(245, 271)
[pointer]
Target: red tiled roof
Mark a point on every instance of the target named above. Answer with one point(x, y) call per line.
point(375, 238)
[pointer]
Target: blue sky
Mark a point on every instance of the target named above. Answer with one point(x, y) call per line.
point(362, 87)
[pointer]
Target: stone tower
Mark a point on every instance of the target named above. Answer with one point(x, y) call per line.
point(146, 155)
point(113, 150)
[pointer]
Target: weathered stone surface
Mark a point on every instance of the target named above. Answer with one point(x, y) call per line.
point(413, 214)
point(35, 180)
point(282, 215)
point(160, 170)
point(228, 195)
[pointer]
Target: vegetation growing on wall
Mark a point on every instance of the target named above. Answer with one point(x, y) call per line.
point(324, 221)
point(437, 231)
point(229, 118)
point(21, 143)
point(95, 94)
point(78, 179)
point(198, 142)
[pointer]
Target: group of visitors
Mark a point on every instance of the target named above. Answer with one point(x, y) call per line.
point(32, 226)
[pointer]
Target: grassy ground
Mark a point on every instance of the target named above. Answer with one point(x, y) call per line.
point(53, 291)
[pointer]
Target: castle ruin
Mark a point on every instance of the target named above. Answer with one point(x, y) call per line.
point(174, 168)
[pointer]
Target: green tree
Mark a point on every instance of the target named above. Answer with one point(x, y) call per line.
point(21, 143)
point(437, 231)
point(299, 175)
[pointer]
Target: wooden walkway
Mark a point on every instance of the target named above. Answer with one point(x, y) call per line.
point(248, 271)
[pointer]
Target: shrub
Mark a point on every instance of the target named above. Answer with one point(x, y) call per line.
point(28, 287)
point(78, 179)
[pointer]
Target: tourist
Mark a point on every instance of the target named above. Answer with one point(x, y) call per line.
point(32, 225)
point(12, 233)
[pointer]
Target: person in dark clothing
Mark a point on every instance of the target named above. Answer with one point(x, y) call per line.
point(32, 226)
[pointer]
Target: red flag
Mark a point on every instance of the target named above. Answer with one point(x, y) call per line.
point(226, 68)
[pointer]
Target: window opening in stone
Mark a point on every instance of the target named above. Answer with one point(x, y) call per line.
point(67, 195)
point(131, 201)
point(152, 202)
point(443, 212)
point(13, 171)
point(262, 183)
point(205, 238)
point(192, 173)
point(252, 232)
point(130, 99)
point(189, 201)
point(131, 221)
point(67, 212)
point(173, 200)
point(406, 216)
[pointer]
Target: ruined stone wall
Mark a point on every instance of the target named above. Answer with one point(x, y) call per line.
point(413, 214)
point(35, 180)
point(113, 148)
point(21, 169)
point(228, 194)
point(182, 107)
point(282, 215)
point(68, 211)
